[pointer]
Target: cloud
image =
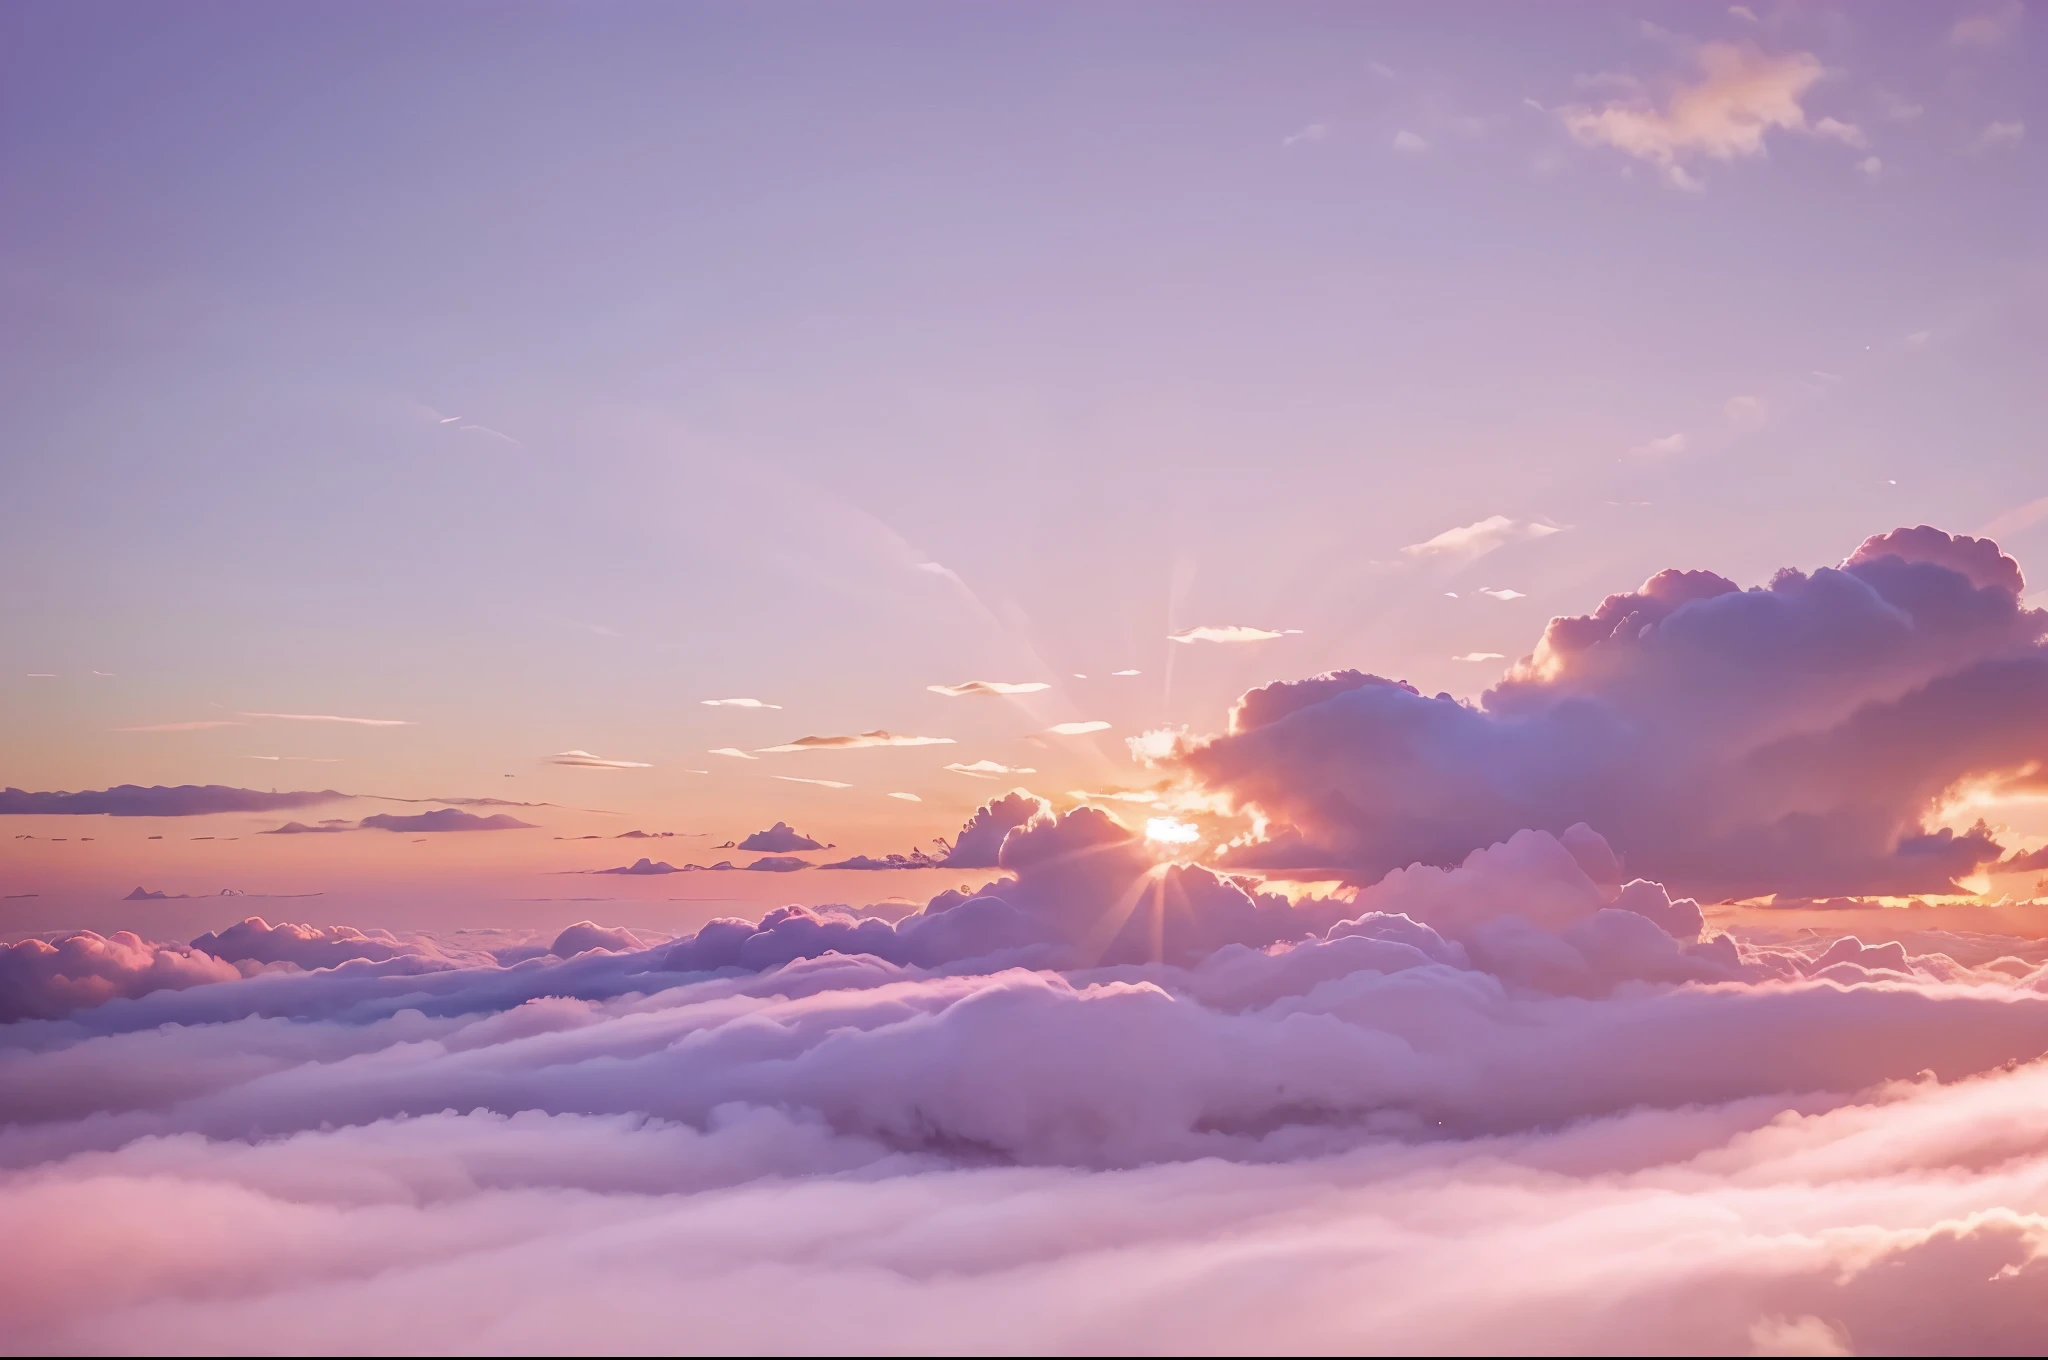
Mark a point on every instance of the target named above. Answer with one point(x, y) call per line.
point(2005, 134)
point(857, 742)
point(642, 866)
point(1745, 412)
point(1987, 28)
point(1076, 729)
point(988, 769)
point(967, 687)
point(1122, 673)
point(131, 800)
point(1228, 633)
point(1848, 134)
point(334, 718)
point(979, 844)
point(1480, 656)
point(1742, 94)
point(1502, 593)
point(1664, 446)
point(781, 837)
point(302, 829)
point(443, 819)
point(1871, 167)
point(737, 703)
point(1793, 737)
point(907, 797)
point(735, 752)
point(583, 760)
point(777, 864)
point(1408, 143)
point(198, 726)
point(1475, 540)
point(1313, 132)
point(1497, 1092)
point(821, 783)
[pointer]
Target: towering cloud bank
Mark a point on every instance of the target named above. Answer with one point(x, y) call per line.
point(1788, 738)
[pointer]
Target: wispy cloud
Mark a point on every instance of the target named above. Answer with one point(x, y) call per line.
point(1988, 28)
point(583, 760)
point(735, 752)
point(1227, 633)
point(989, 769)
point(1503, 593)
point(1126, 672)
point(200, 725)
point(1075, 729)
point(1314, 132)
point(1664, 446)
point(1745, 412)
point(1741, 95)
point(1409, 143)
point(737, 703)
point(968, 687)
point(821, 783)
point(855, 742)
point(907, 797)
point(1480, 537)
point(1997, 136)
point(1480, 656)
point(336, 718)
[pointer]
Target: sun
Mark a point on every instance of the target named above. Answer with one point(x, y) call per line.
point(1171, 831)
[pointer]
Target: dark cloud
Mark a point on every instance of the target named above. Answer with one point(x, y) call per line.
point(642, 866)
point(777, 864)
point(443, 819)
point(133, 800)
point(1792, 737)
point(781, 839)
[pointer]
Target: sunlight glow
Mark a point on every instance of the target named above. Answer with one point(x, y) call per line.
point(1171, 831)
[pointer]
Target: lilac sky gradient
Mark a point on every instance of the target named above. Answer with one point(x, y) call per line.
point(529, 376)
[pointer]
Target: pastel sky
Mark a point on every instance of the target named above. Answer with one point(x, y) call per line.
point(527, 377)
point(1075, 678)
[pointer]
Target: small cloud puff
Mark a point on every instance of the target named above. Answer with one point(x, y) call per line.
point(737, 703)
point(1227, 633)
point(989, 769)
point(782, 837)
point(1474, 540)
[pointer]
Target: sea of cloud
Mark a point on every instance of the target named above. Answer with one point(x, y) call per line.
point(1517, 1099)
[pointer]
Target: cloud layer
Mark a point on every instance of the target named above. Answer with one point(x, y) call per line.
point(1511, 1105)
point(157, 800)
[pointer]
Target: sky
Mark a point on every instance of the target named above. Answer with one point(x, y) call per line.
point(530, 377)
point(1084, 678)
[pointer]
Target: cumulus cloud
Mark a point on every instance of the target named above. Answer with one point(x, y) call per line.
point(738, 703)
point(1794, 737)
point(856, 742)
point(443, 819)
point(971, 687)
point(1228, 633)
point(1469, 541)
point(1742, 95)
point(988, 769)
point(586, 761)
point(980, 842)
point(781, 837)
point(132, 800)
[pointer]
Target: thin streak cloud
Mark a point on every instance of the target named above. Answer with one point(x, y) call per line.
point(1228, 633)
point(859, 741)
point(336, 718)
point(737, 703)
point(972, 687)
point(201, 725)
point(586, 761)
